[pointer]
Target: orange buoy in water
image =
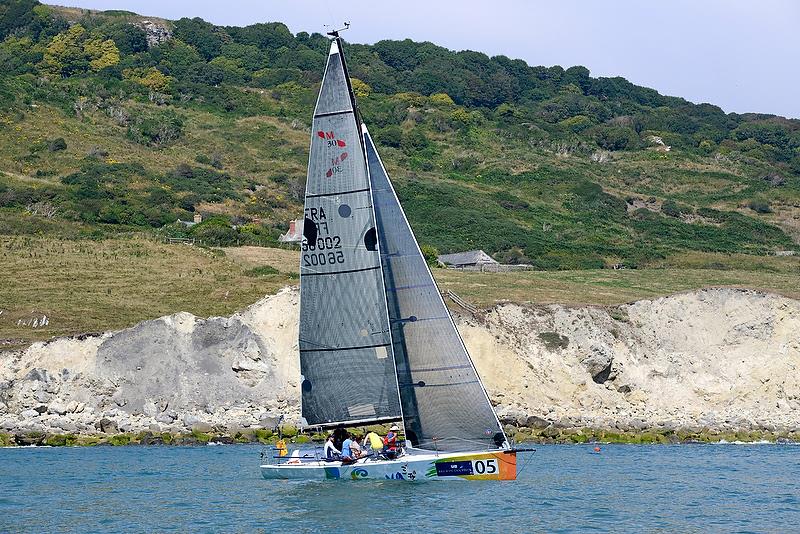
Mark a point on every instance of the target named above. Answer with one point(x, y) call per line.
point(597, 449)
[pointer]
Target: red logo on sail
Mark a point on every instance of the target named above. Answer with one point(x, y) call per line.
point(335, 164)
point(333, 142)
point(331, 138)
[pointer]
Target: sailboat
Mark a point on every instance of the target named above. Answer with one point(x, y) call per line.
point(377, 342)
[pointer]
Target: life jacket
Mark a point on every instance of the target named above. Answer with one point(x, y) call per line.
point(390, 442)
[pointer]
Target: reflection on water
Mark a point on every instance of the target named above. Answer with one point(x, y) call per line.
point(683, 488)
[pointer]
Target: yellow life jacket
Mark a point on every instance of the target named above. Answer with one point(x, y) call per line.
point(281, 446)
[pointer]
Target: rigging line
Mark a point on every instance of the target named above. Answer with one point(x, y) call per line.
point(527, 462)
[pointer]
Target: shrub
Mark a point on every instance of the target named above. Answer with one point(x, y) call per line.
point(390, 136)
point(671, 209)
point(54, 145)
point(155, 128)
point(614, 137)
point(216, 231)
point(263, 270)
point(554, 340)
point(759, 206)
point(431, 255)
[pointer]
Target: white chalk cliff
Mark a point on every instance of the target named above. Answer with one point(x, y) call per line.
point(718, 358)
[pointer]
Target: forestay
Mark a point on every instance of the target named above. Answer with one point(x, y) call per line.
point(346, 361)
point(445, 406)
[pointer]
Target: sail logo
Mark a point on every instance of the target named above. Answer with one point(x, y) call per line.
point(330, 138)
point(336, 165)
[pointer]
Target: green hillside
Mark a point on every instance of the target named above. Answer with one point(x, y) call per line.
point(103, 132)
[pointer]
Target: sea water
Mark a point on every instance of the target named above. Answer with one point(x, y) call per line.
point(569, 488)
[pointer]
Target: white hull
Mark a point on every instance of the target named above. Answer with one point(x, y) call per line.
point(500, 465)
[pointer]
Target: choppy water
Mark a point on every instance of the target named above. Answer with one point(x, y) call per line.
point(686, 488)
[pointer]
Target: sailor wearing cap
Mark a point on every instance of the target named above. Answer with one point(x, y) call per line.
point(390, 442)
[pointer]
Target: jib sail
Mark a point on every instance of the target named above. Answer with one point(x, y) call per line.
point(445, 406)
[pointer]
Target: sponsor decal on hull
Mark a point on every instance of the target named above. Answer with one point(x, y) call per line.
point(489, 466)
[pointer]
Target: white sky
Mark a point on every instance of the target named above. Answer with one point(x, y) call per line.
point(740, 55)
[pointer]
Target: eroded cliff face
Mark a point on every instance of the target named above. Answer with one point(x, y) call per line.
point(720, 359)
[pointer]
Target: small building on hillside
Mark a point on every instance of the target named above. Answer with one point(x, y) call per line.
point(197, 219)
point(295, 233)
point(471, 259)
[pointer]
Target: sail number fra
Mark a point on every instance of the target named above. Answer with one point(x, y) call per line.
point(484, 467)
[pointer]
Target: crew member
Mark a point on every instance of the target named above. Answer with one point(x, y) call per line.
point(330, 451)
point(390, 442)
point(347, 452)
point(373, 441)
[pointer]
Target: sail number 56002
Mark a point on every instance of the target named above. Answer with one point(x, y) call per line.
point(484, 467)
point(322, 243)
point(322, 258)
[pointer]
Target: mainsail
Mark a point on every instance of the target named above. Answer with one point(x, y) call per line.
point(445, 406)
point(346, 359)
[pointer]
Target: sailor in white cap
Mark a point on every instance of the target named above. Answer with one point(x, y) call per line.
point(390, 442)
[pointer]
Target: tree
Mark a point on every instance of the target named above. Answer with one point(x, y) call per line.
point(174, 57)
point(101, 54)
point(202, 35)
point(18, 55)
point(65, 54)
point(129, 39)
point(232, 71)
point(151, 78)
point(266, 36)
point(431, 255)
point(361, 89)
point(15, 14)
point(250, 57)
point(206, 73)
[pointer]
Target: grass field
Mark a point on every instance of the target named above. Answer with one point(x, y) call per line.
point(605, 287)
point(92, 286)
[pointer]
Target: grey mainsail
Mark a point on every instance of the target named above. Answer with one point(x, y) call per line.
point(445, 406)
point(346, 360)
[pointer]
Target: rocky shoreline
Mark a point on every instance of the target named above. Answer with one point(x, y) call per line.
point(705, 366)
point(548, 436)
